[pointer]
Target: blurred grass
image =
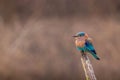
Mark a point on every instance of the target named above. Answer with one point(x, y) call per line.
point(45, 49)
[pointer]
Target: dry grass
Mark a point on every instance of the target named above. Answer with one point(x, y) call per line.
point(45, 50)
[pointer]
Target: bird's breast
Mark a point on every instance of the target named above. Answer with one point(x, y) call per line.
point(80, 43)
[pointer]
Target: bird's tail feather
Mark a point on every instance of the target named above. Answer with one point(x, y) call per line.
point(95, 56)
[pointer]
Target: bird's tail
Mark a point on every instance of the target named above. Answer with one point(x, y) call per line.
point(95, 56)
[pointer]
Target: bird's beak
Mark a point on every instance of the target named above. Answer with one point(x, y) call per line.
point(74, 36)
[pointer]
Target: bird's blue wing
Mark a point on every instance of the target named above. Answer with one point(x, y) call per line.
point(90, 48)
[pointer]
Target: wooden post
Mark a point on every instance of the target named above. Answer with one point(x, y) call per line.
point(88, 69)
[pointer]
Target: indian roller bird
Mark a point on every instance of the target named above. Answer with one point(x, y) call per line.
point(84, 44)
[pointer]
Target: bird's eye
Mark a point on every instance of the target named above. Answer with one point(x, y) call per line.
point(81, 35)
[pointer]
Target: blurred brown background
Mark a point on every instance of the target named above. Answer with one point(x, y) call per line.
point(36, 38)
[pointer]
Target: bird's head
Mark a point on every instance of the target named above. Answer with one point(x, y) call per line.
point(81, 34)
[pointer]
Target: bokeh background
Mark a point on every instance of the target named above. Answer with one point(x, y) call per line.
point(36, 38)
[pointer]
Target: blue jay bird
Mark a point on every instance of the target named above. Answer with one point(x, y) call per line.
point(84, 44)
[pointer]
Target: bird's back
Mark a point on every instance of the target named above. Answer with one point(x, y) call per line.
point(89, 46)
